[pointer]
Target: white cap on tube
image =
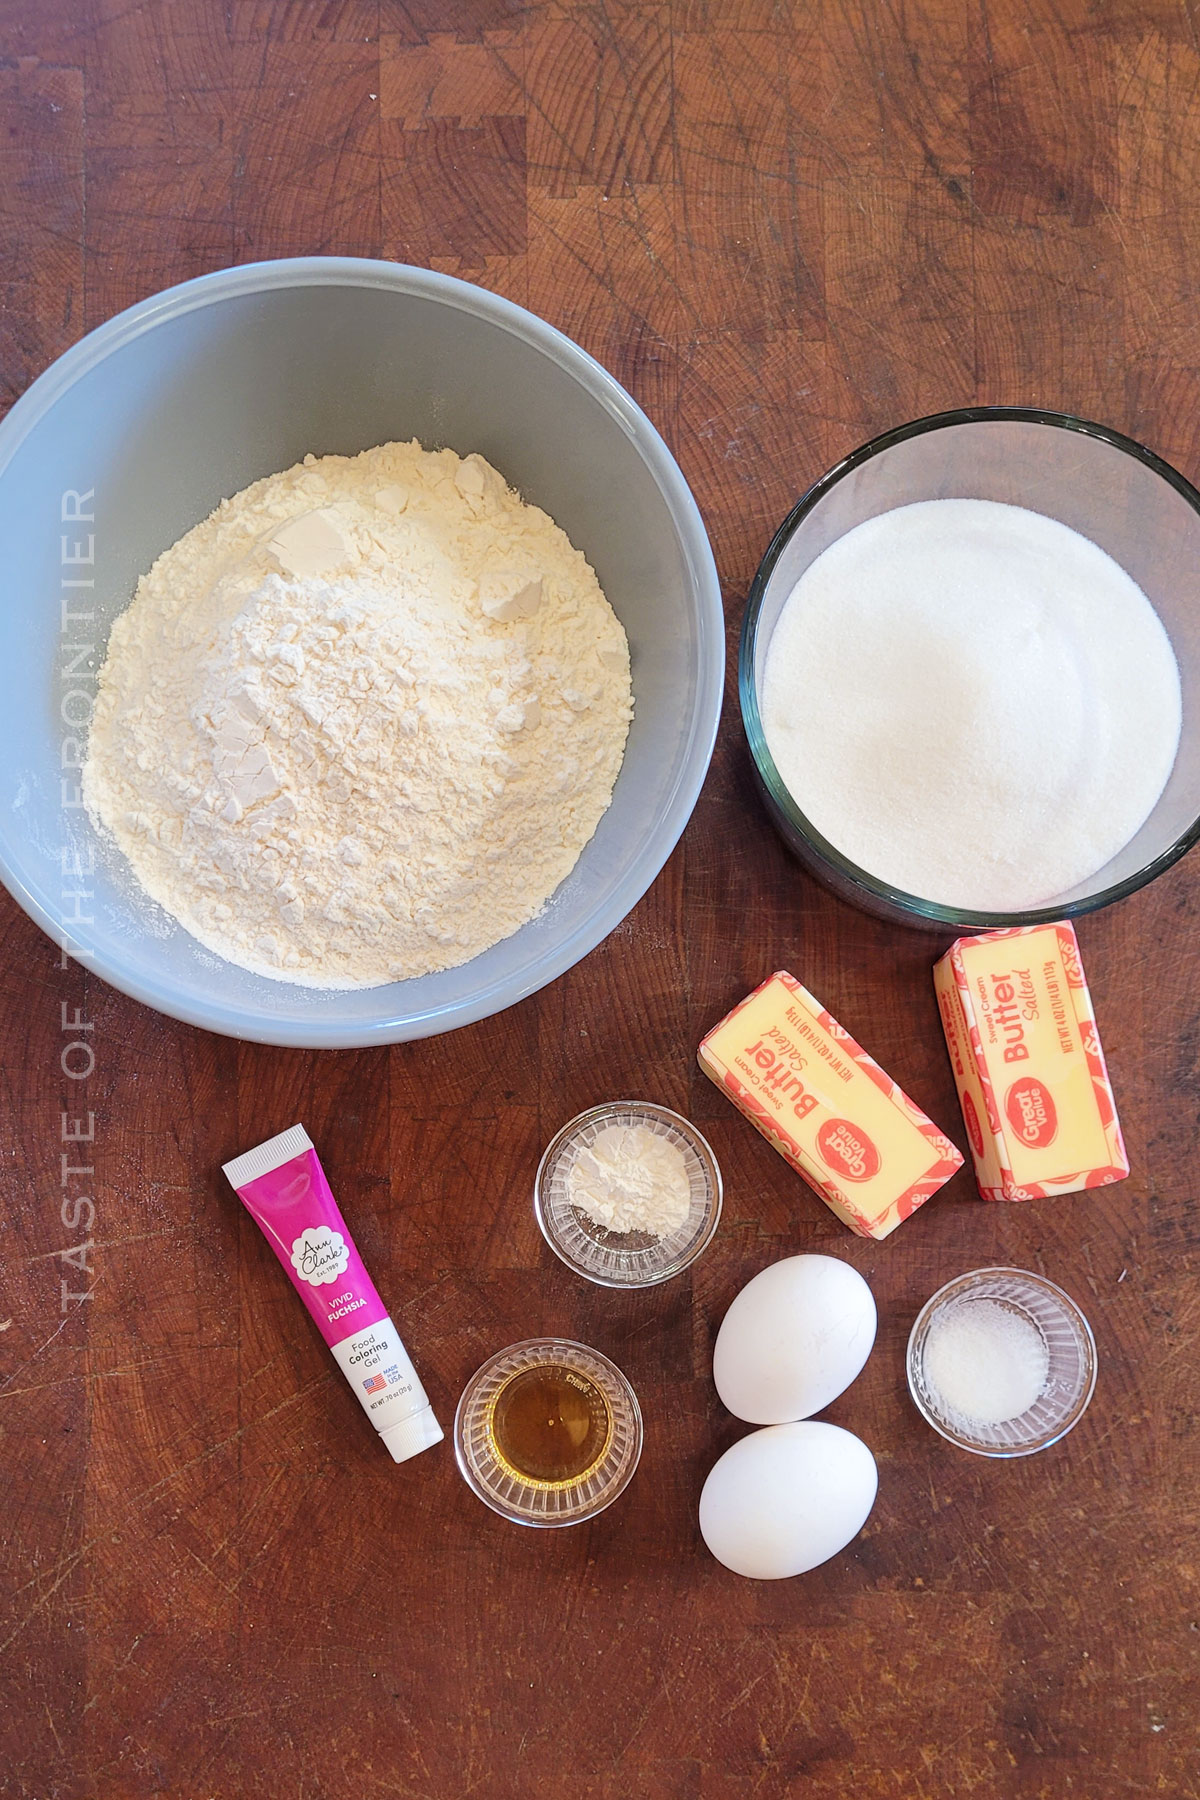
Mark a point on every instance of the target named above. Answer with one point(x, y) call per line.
point(412, 1435)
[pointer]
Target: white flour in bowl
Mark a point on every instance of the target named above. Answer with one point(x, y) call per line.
point(360, 723)
point(972, 702)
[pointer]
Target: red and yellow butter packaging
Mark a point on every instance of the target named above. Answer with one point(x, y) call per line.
point(827, 1107)
point(1027, 1061)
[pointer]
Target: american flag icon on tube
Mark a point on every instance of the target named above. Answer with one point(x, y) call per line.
point(375, 1384)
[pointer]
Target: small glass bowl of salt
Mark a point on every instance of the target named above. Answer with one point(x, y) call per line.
point(628, 1194)
point(1001, 1362)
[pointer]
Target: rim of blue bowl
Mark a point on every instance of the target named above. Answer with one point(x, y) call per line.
point(344, 271)
point(857, 879)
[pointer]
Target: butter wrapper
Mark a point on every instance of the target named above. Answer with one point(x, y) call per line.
point(827, 1107)
point(1023, 1043)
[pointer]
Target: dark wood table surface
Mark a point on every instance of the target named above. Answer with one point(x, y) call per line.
point(783, 228)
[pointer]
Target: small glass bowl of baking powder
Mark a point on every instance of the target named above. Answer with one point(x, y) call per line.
point(1001, 1362)
point(647, 1166)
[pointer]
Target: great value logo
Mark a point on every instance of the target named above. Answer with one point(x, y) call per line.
point(1030, 1111)
point(848, 1150)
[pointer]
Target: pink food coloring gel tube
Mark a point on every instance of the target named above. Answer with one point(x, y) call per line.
point(282, 1184)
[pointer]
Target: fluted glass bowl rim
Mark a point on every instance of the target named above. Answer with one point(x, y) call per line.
point(955, 1289)
point(548, 1347)
point(661, 1268)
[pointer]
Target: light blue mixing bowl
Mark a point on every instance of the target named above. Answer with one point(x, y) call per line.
point(196, 392)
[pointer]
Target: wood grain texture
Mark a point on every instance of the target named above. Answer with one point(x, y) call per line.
point(783, 227)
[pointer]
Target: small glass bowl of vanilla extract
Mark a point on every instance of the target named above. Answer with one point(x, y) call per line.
point(548, 1432)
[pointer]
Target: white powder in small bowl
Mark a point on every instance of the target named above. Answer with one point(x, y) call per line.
point(631, 1179)
point(973, 702)
point(984, 1362)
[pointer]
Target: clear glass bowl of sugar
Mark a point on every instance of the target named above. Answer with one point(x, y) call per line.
point(677, 1157)
point(1101, 485)
point(1001, 1362)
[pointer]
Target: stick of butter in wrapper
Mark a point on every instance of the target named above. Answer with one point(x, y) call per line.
point(1027, 1061)
point(827, 1107)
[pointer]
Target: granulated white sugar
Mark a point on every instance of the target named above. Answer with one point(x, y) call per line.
point(984, 1362)
point(972, 702)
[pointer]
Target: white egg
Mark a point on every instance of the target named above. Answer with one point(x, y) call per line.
point(793, 1340)
point(787, 1498)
